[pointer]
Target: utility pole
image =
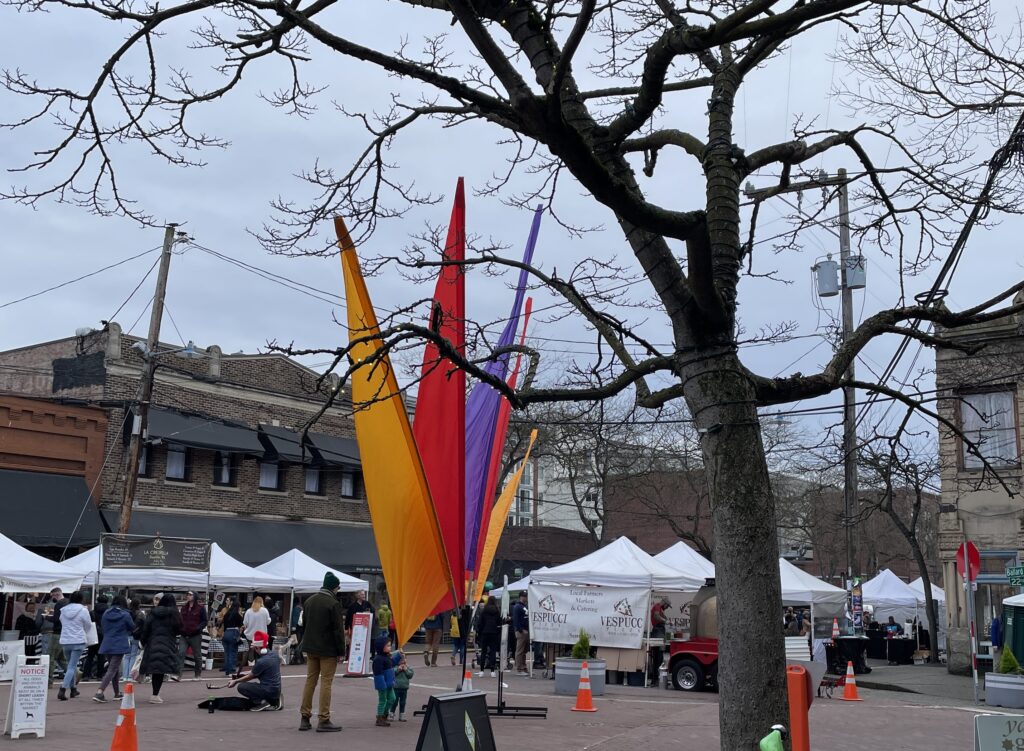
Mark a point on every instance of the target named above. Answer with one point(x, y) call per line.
point(841, 181)
point(141, 420)
point(849, 392)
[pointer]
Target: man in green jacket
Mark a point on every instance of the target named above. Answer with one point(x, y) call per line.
point(322, 643)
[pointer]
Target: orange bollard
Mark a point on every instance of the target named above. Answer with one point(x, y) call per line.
point(799, 705)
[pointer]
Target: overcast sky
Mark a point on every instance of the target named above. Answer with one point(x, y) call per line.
point(213, 302)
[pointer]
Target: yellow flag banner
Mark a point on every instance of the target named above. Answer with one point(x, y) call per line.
point(499, 515)
point(404, 522)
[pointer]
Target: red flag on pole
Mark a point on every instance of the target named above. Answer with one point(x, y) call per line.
point(439, 423)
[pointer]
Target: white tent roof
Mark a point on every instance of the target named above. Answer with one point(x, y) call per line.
point(799, 587)
point(517, 586)
point(225, 573)
point(620, 564)
point(683, 558)
point(22, 570)
point(1016, 601)
point(306, 574)
point(938, 593)
point(888, 591)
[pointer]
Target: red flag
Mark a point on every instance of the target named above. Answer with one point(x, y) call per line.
point(494, 469)
point(439, 424)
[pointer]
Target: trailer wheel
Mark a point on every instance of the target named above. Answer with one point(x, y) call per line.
point(688, 675)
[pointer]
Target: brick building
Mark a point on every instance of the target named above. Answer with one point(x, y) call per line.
point(981, 393)
point(223, 458)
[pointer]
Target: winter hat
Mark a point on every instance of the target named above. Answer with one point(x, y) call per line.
point(260, 639)
point(331, 581)
point(380, 643)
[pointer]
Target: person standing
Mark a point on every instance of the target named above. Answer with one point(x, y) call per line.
point(521, 627)
point(138, 620)
point(44, 626)
point(403, 674)
point(297, 627)
point(658, 617)
point(160, 644)
point(56, 652)
point(359, 605)
point(94, 666)
point(274, 608)
point(256, 618)
point(455, 631)
point(193, 621)
point(322, 644)
point(118, 626)
point(384, 681)
point(384, 621)
point(267, 670)
point(74, 624)
point(488, 635)
point(434, 626)
point(232, 623)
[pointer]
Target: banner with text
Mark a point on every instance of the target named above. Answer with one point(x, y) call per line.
point(611, 616)
point(136, 551)
point(677, 612)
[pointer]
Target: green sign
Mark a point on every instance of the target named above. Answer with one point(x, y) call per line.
point(1016, 575)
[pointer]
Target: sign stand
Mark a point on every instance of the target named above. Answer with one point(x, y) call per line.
point(968, 562)
point(358, 662)
point(501, 709)
point(26, 710)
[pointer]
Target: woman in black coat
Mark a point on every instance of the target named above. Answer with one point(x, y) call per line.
point(160, 644)
point(489, 635)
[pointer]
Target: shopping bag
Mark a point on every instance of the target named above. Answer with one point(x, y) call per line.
point(92, 636)
point(136, 665)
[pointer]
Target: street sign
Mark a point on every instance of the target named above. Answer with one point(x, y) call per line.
point(968, 560)
point(1016, 575)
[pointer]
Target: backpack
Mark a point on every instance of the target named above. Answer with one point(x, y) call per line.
point(227, 704)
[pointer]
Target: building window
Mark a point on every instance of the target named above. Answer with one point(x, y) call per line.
point(225, 469)
point(988, 420)
point(271, 476)
point(313, 481)
point(527, 474)
point(144, 460)
point(348, 484)
point(177, 463)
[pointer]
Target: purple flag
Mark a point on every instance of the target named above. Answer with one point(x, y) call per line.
point(482, 413)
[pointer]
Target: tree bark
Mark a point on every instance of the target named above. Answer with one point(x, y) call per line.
point(751, 651)
point(929, 601)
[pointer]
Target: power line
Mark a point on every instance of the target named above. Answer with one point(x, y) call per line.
point(76, 279)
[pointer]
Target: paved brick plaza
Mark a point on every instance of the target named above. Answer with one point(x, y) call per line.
point(627, 719)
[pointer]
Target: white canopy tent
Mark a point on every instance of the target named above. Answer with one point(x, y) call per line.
point(890, 596)
point(620, 564)
point(306, 574)
point(22, 570)
point(938, 593)
point(225, 573)
point(939, 596)
point(683, 558)
point(517, 586)
point(801, 588)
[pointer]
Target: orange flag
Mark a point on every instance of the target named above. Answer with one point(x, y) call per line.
point(404, 521)
point(499, 515)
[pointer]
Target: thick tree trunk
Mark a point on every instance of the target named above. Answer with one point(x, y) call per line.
point(751, 648)
point(929, 602)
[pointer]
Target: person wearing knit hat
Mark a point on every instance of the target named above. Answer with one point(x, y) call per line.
point(323, 643)
point(267, 670)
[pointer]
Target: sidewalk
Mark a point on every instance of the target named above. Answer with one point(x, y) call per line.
point(930, 680)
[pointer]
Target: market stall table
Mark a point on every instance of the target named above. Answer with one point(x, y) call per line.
point(847, 649)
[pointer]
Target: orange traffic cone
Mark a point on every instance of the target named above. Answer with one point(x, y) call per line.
point(835, 628)
point(125, 734)
point(584, 699)
point(850, 689)
point(467, 680)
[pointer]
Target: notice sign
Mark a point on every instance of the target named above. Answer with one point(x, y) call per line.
point(26, 710)
point(611, 616)
point(359, 649)
point(136, 551)
point(998, 732)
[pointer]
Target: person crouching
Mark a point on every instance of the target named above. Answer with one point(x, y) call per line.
point(384, 680)
point(266, 694)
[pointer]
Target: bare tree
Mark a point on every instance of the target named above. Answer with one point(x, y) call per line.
point(519, 66)
point(900, 479)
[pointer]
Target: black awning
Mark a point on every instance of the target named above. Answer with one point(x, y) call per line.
point(255, 541)
point(342, 452)
point(47, 510)
point(203, 432)
point(285, 444)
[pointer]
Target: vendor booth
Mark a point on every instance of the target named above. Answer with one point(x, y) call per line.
point(683, 558)
point(889, 596)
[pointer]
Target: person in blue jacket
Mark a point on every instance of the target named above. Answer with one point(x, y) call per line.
point(384, 680)
point(118, 626)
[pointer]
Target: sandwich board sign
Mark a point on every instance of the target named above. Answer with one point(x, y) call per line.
point(998, 732)
point(359, 651)
point(456, 722)
point(26, 710)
